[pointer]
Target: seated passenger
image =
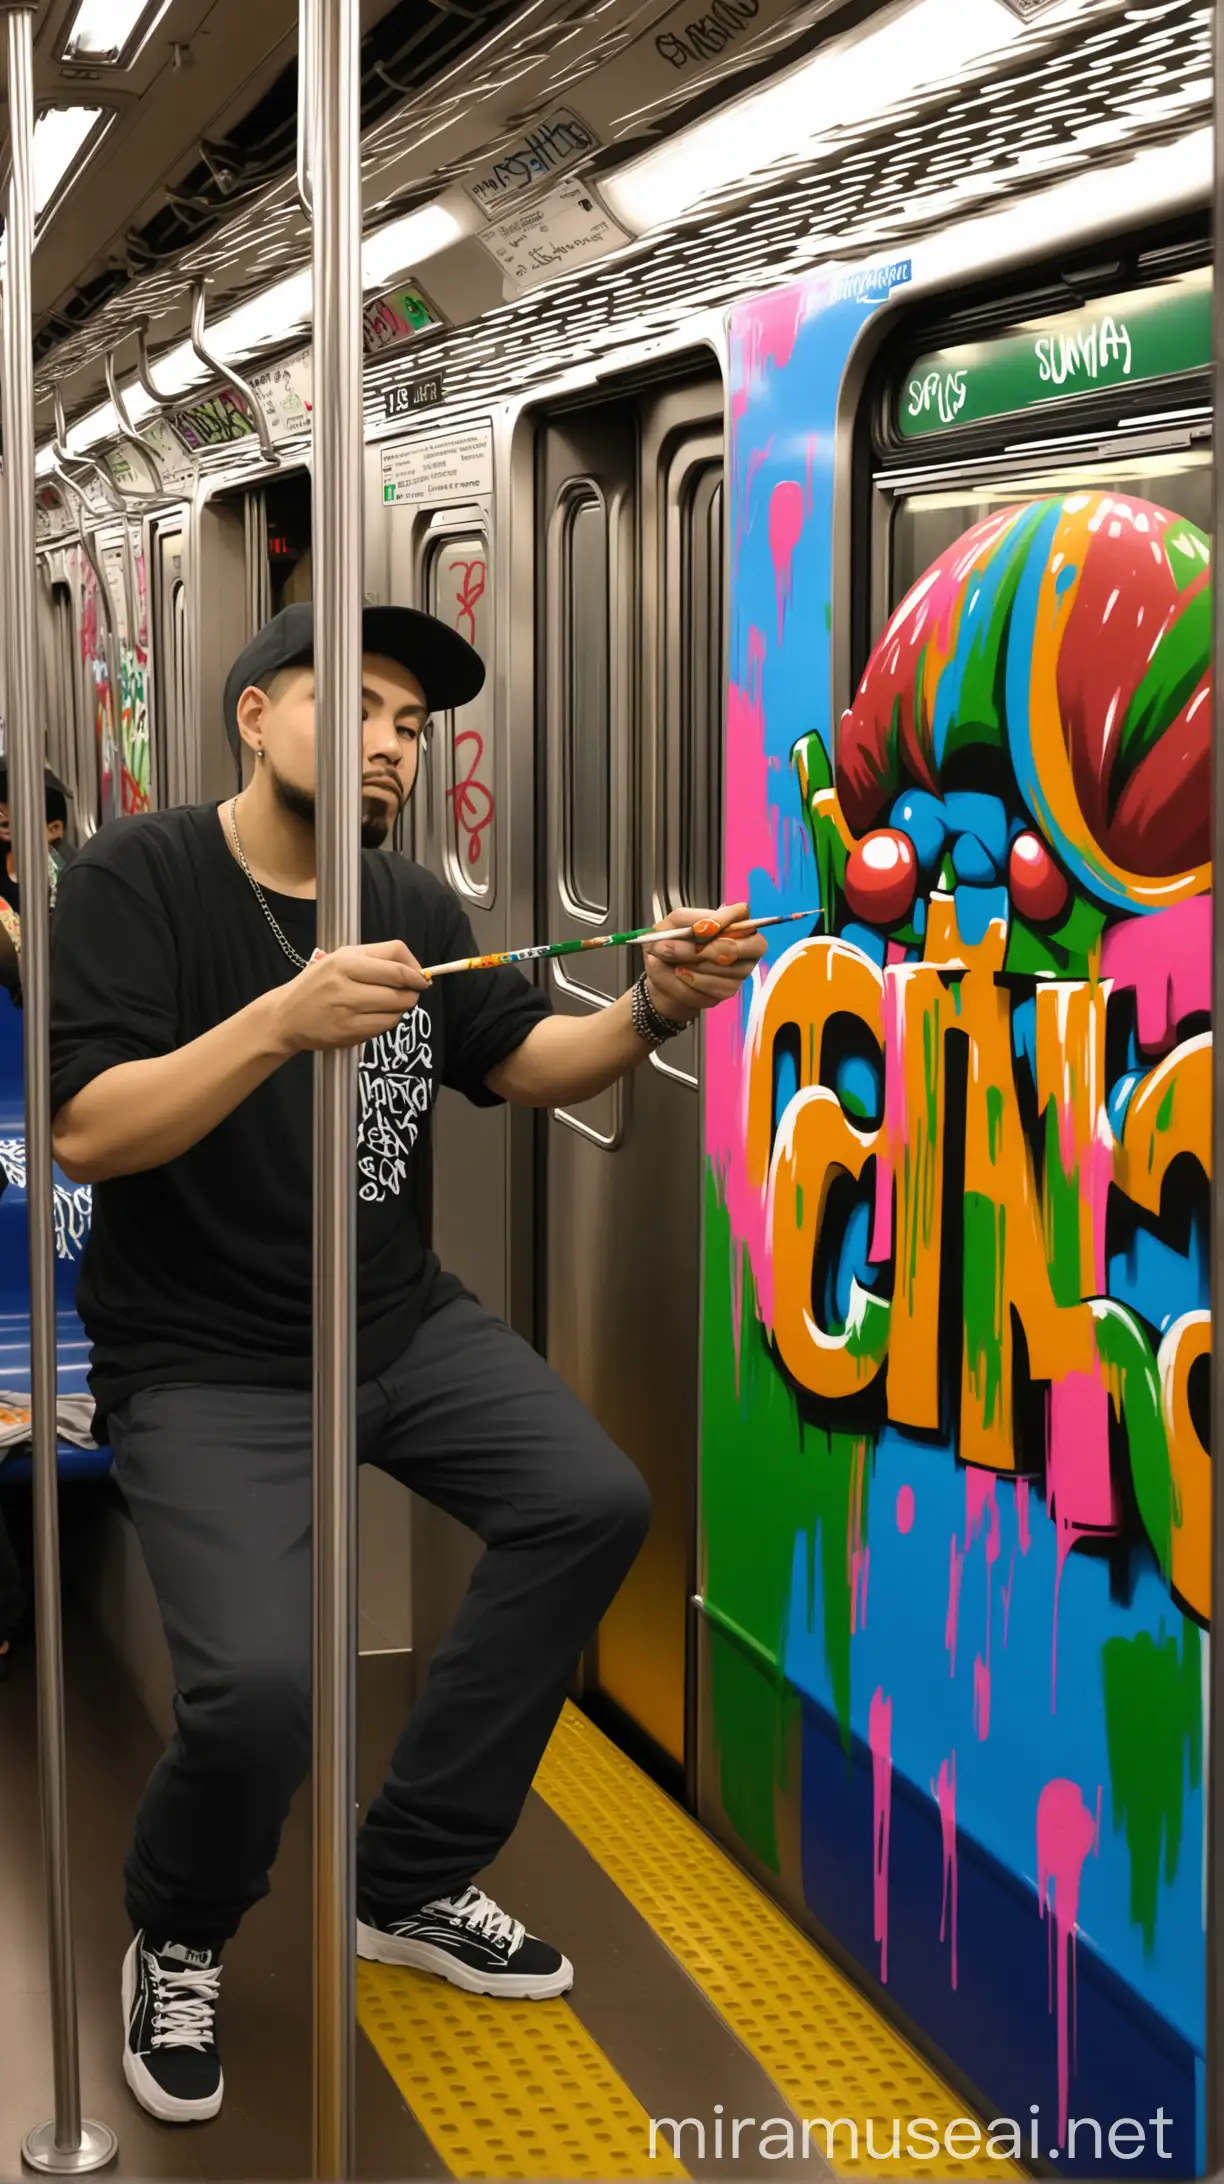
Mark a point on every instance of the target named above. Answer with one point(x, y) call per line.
point(186, 1006)
point(59, 854)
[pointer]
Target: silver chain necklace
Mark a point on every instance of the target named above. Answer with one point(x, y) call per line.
point(302, 962)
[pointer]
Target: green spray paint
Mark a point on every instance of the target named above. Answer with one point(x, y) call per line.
point(1061, 1216)
point(1134, 1384)
point(766, 1483)
point(1154, 1735)
point(985, 1246)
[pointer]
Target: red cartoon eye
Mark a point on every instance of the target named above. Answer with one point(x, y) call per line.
point(882, 877)
point(1038, 888)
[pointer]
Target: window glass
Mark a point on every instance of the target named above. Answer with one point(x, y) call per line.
point(698, 807)
point(587, 723)
point(459, 594)
point(926, 524)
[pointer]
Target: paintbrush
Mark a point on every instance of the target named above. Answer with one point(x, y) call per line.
point(707, 929)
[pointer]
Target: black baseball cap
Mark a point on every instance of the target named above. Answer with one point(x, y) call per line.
point(449, 671)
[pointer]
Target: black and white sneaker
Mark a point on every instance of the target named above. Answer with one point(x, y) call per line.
point(467, 1940)
point(170, 2057)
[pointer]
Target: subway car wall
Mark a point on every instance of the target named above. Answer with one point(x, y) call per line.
point(955, 1525)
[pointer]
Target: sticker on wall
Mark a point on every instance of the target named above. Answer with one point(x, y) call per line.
point(224, 418)
point(400, 315)
point(453, 466)
point(552, 143)
point(566, 229)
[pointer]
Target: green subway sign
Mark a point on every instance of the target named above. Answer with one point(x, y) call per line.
point(1122, 341)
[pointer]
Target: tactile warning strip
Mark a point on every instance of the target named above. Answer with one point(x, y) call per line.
point(506, 2089)
point(826, 2049)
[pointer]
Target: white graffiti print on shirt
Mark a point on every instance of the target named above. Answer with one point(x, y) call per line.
point(72, 1208)
point(394, 1093)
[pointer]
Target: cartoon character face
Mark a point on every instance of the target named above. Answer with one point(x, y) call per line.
point(1031, 739)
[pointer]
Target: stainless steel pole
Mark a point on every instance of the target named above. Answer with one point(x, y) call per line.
point(68, 2146)
point(329, 31)
point(1215, 1711)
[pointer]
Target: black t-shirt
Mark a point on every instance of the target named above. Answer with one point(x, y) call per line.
point(202, 1269)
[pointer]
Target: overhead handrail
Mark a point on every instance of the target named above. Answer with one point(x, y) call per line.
point(232, 378)
point(144, 370)
point(127, 430)
point(69, 2144)
point(64, 460)
point(337, 533)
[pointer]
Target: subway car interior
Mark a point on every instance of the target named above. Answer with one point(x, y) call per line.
point(805, 409)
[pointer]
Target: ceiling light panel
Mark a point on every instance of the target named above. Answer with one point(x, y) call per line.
point(62, 135)
point(110, 33)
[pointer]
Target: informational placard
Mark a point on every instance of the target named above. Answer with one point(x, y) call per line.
point(554, 235)
point(413, 394)
point(435, 469)
point(1124, 340)
point(550, 145)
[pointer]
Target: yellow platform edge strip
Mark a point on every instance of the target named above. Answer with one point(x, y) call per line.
point(506, 2089)
point(833, 2058)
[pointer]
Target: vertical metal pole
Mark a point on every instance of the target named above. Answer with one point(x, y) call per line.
point(1215, 1707)
point(329, 31)
point(66, 2146)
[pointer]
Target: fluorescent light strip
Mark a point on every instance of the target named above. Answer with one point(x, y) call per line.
point(280, 313)
point(847, 82)
point(103, 30)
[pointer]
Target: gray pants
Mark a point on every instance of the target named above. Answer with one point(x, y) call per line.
point(218, 1483)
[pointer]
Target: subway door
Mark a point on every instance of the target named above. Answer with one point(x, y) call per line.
point(620, 1278)
point(643, 1654)
point(441, 560)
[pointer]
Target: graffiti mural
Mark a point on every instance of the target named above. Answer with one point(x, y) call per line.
point(956, 1482)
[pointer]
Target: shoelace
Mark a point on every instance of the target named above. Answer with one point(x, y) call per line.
point(184, 2004)
point(481, 1915)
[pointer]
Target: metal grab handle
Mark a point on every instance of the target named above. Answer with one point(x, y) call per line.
point(127, 430)
point(330, 30)
point(144, 370)
point(68, 2145)
point(63, 459)
point(232, 378)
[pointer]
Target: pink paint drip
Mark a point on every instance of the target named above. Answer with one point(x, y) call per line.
point(956, 1567)
point(945, 1792)
point(751, 845)
point(1165, 960)
point(1007, 1595)
point(772, 325)
point(981, 1697)
point(905, 1509)
point(1081, 1493)
point(785, 531)
point(1066, 1833)
point(1022, 1515)
point(858, 1557)
point(879, 1736)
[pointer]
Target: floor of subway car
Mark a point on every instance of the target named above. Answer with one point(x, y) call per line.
point(694, 1996)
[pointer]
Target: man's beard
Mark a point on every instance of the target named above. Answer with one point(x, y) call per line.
point(376, 820)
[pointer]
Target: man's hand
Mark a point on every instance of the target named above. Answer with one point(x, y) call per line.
point(342, 1000)
point(684, 978)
